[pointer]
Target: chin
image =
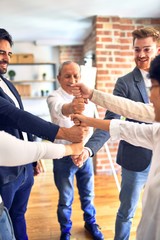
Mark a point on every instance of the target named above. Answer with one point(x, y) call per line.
point(3, 71)
point(143, 66)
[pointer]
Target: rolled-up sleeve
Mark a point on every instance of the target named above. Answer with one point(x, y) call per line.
point(134, 133)
point(115, 129)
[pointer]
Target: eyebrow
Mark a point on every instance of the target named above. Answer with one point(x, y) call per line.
point(5, 51)
point(142, 47)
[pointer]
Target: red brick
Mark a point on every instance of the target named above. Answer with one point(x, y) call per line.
point(155, 21)
point(103, 19)
point(126, 21)
point(114, 58)
point(105, 39)
point(127, 27)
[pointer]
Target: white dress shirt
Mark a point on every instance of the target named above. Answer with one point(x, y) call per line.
point(55, 102)
point(16, 152)
point(146, 80)
point(148, 136)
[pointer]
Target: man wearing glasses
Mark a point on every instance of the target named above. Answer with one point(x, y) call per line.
point(134, 161)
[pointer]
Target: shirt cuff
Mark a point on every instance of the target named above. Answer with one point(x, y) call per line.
point(90, 151)
point(59, 110)
point(114, 129)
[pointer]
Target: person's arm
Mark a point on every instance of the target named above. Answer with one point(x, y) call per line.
point(125, 107)
point(80, 90)
point(91, 122)
point(73, 134)
point(93, 145)
point(99, 137)
point(76, 106)
point(12, 117)
point(15, 152)
point(122, 106)
point(59, 110)
point(135, 133)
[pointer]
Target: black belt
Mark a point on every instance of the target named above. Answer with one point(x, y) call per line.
point(1, 208)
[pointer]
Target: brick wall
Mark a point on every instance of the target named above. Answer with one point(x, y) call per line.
point(111, 42)
point(71, 53)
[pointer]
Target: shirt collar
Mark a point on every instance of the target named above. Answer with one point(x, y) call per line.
point(69, 96)
point(145, 77)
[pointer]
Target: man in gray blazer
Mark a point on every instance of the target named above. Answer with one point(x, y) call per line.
point(135, 161)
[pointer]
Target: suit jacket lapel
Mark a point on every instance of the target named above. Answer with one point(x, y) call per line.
point(13, 90)
point(141, 84)
point(4, 95)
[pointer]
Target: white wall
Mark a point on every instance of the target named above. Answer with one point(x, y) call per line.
point(41, 54)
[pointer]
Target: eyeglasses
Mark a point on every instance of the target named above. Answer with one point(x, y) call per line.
point(144, 49)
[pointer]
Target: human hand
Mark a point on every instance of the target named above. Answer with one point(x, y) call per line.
point(38, 169)
point(76, 134)
point(79, 119)
point(78, 105)
point(73, 134)
point(76, 148)
point(80, 160)
point(81, 90)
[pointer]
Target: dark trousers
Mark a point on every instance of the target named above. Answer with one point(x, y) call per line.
point(15, 196)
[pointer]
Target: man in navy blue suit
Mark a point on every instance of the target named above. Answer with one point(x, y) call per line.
point(16, 182)
point(134, 161)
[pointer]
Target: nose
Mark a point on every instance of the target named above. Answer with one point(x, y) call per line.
point(6, 57)
point(72, 79)
point(142, 53)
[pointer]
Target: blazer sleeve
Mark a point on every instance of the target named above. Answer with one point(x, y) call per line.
point(11, 116)
point(99, 137)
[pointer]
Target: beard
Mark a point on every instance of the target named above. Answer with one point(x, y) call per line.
point(143, 63)
point(3, 66)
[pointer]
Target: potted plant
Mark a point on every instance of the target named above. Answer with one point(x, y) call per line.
point(44, 76)
point(11, 74)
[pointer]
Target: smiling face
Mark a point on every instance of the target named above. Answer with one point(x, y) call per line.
point(145, 49)
point(69, 74)
point(5, 55)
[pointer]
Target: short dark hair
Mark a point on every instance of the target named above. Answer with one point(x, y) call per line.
point(4, 35)
point(146, 32)
point(154, 71)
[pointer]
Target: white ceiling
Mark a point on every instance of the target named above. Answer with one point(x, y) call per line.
point(66, 22)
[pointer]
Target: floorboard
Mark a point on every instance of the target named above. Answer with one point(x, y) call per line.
point(41, 216)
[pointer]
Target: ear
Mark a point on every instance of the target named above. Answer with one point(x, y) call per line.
point(59, 79)
point(158, 50)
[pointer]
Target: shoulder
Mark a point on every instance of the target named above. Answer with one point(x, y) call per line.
point(135, 73)
point(55, 94)
point(7, 81)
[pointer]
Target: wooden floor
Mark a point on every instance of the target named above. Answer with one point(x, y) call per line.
point(41, 214)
